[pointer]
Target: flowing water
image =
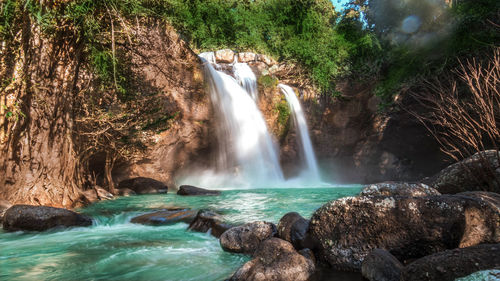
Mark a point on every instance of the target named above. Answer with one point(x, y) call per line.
point(247, 154)
point(246, 78)
point(311, 170)
point(115, 249)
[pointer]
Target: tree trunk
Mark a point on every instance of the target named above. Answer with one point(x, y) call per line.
point(38, 160)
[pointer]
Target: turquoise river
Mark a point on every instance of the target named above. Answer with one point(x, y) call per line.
point(115, 249)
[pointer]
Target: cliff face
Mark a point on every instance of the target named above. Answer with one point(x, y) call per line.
point(62, 131)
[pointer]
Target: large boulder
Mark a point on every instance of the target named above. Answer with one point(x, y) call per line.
point(380, 265)
point(40, 218)
point(4, 205)
point(142, 185)
point(276, 260)
point(246, 238)
point(398, 189)
point(292, 227)
point(166, 217)
point(345, 231)
point(481, 171)
point(224, 56)
point(189, 190)
point(207, 221)
point(452, 264)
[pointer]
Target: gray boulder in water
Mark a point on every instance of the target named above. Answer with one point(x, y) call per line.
point(452, 264)
point(189, 190)
point(141, 185)
point(40, 218)
point(166, 217)
point(345, 231)
point(277, 260)
point(207, 221)
point(292, 227)
point(246, 238)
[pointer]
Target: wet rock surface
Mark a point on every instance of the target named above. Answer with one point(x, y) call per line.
point(478, 172)
point(380, 265)
point(276, 259)
point(40, 218)
point(345, 231)
point(292, 227)
point(166, 217)
point(141, 185)
point(452, 264)
point(207, 221)
point(398, 189)
point(189, 190)
point(246, 238)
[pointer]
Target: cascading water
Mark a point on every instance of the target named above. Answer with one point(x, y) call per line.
point(246, 78)
point(312, 171)
point(246, 147)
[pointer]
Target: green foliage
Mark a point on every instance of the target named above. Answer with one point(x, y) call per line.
point(299, 31)
point(283, 113)
point(267, 81)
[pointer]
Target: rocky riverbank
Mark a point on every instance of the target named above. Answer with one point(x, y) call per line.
point(390, 231)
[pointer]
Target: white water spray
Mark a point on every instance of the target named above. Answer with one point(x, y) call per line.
point(246, 147)
point(246, 78)
point(311, 164)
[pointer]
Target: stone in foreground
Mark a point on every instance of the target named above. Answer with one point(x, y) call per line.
point(292, 227)
point(276, 260)
point(380, 265)
point(166, 217)
point(40, 218)
point(345, 231)
point(207, 221)
point(189, 190)
point(246, 238)
point(481, 171)
point(141, 185)
point(452, 264)
point(398, 189)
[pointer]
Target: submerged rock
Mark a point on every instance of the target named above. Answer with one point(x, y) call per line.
point(277, 260)
point(399, 189)
point(345, 231)
point(189, 190)
point(40, 218)
point(478, 172)
point(142, 185)
point(452, 264)
point(292, 227)
point(207, 221)
point(246, 238)
point(166, 217)
point(4, 205)
point(380, 265)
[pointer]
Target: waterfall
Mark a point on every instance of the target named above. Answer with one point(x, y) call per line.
point(246, 78)
point(246, 147)
point(311, 164)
